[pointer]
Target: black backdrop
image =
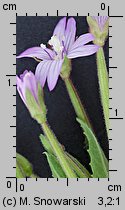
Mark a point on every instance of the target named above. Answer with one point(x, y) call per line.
point(32, 31)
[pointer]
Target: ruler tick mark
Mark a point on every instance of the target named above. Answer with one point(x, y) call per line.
point(12, 23)
point(67, 182)
point(116, 16)
point(108, 11)
point(10, 75)
point(112, 67)
point(16, 184)
point(116, 118)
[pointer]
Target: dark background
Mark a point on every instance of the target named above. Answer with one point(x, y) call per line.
point(32, 31)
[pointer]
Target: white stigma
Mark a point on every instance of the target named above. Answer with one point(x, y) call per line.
point(43, 46)
point(55, 43)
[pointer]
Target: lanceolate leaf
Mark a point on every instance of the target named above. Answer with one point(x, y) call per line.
point(77, 167)
point(23, 167)
point(99, 163)
point(57, 171)
point(46, 144)
point(77, 164)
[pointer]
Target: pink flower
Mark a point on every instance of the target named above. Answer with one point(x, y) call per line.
point(101, 21)
point(63, 43)
point(30, 92)
point(27, 80)
point(99, 26)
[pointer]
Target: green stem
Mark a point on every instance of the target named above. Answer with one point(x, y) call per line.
point(58, 151)
point(76, 102)
point(103, 85)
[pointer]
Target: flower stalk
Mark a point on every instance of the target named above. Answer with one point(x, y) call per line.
point(99, 28)
point(58, 151)
point(76, 102)
point(103, 85)
point(74, 97)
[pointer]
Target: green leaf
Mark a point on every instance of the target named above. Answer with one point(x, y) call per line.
point(54, 164)
point(78, 168)
point(57, 171)
point(58, 150)
point(46, 144)
point(23, 167)
point(98, 162)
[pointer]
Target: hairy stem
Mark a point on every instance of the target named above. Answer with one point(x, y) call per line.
point(103, 85)
point(76, 102)
point(58, 151)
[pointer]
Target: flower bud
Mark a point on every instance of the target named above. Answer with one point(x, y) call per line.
point(32, 95)
point(99, 28)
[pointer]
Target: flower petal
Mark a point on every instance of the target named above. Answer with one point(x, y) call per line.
point(101, 20)
point(70, 33)
point(59, 30)
point(82, 40)
point(39, 52)
point(53, 74)
point(19, 84)
point(30, 83)
point(23, 75)
point(42, 71)
point(83, 51)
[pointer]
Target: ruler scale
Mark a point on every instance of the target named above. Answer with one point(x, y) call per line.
point(45, 192)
